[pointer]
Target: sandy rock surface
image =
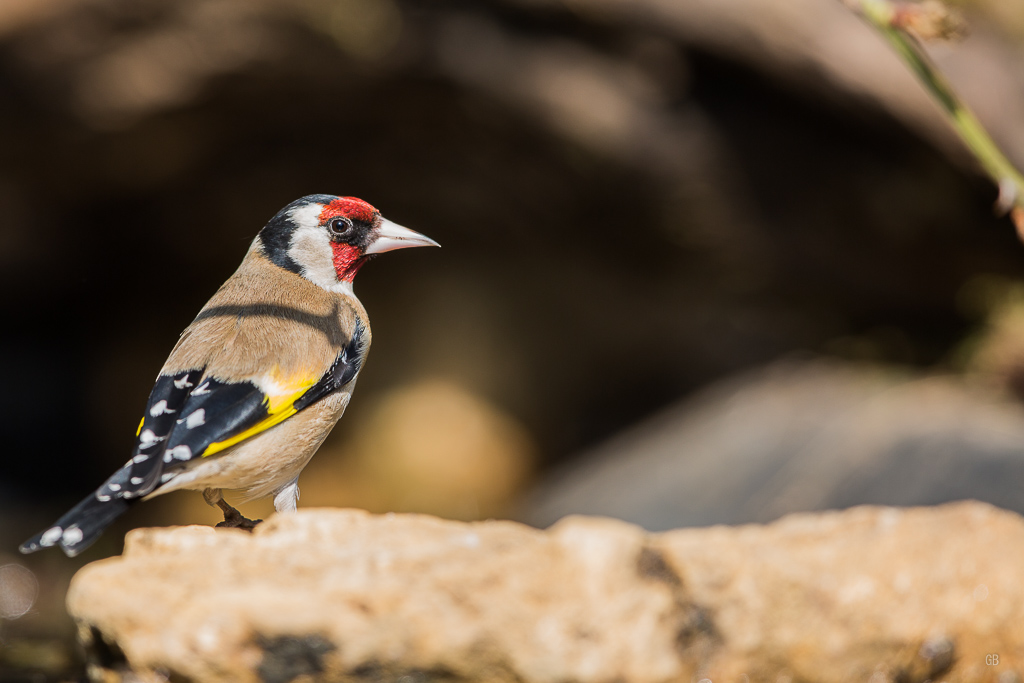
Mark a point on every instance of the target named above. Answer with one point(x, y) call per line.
point(870, 594)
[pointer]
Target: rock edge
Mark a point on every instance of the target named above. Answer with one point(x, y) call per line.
point(879, 594)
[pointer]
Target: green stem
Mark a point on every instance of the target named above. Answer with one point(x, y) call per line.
point(880, 13)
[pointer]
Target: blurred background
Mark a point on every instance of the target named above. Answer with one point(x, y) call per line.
point(704, 262)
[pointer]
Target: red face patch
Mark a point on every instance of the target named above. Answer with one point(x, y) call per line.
point(348, 207)
point(347, 261)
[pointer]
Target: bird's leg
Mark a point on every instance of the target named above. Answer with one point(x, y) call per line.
point(286, 498)
point(233, 519)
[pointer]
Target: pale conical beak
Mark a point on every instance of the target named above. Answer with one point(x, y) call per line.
point(393, 236)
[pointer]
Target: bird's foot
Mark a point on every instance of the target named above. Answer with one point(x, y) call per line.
point(233, 519)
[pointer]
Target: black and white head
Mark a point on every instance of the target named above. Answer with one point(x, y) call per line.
point(327, 239)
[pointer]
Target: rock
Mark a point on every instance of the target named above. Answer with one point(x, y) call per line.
point(877, 594)
point(799, 436)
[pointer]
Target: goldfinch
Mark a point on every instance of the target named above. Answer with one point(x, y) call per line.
point(258, 380)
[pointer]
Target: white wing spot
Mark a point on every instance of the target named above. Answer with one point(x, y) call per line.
point(160, 408)
point(102, 498)
point(195, 419)
point(51, 536)
point(72, 536)
point(180, 452)
point(203, 388)
point(141, 457)
point(167, 476)
point(147, 439)
point(136, 480)
point(182, 383)
point(114, 487)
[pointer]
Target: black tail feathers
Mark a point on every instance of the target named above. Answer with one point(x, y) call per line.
point(80, 526)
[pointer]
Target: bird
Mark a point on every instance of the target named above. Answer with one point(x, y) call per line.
point(258, 380)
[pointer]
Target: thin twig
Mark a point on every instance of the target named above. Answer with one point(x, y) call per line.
point(884, 15)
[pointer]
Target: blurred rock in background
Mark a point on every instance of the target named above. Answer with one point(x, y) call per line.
point(637, 200)
point(799, 436)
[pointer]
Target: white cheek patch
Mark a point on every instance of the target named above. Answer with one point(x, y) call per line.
point(306, 216)
point(311, 247)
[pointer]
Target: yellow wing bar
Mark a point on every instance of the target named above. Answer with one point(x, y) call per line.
point(279, 409)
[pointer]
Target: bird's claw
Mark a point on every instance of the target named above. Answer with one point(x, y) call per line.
point(233, 519)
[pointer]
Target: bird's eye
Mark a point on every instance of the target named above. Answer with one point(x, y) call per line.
point(340, 226)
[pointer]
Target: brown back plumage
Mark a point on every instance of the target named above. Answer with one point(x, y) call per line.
point(260, 320)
